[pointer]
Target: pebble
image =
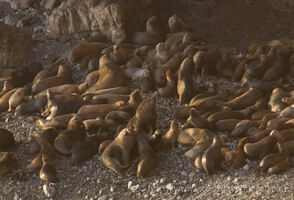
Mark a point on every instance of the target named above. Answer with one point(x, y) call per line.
point(246, 167)
point(169, 187)
point(49, 190)
point(236, 180)
point(134, 188)
point(103, 197)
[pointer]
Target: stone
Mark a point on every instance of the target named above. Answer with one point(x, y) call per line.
point(15, 46)
point(49, 190)
point(20, 4)
point(169, 187)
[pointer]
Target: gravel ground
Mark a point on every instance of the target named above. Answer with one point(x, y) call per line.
point(176, 178)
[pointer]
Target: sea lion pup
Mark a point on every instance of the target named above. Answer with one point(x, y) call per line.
point(239, 71)
point(47, 71)
point(281, 166)
point(116, 155)
point(63, 77)
point(173, 63)
point(271, 160)
point(59, 122)
point(190, 136)
point(170, 138)
point(259, 69)
point(147, 158)
point(80, 50)
point(48, 171)
point(7, 86)
point(110, 75)
point(8, 161)
point(6, 139)
point(279, 66)
point(180, 46)
point(85, 149)
point(120, 53)
point(206, 61)
point(246, 99)
point(89, 111)
point(204, 141)
point(275, 103)
point(211, 91)
point(196, 120)
point(261, 147)
point(170, 88)
point(176, 24)
point(211, 158)
point(34, 105)
point(4, 100)
point(162, 54)
point(17, 98)
point(65, 140)
point(152, 35)
point(185, 86)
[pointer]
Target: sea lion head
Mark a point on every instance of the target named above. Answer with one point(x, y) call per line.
point(76, 123)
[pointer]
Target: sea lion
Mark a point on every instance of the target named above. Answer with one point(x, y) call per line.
point(110, 75)
point(4, 100)
point(239, 154)
point(287, 112)
point(201, 145)
point(170, 138)
point(275, 102)
point(283, 135)
point(80, 50)
point(169, 90)
point(136, 73)
point(147, 158)
point(8, 161)
point(120, 53)
point(226, 124)
point(92, 78)
point(65, 89)
point(63, 77)
point(103, 145)
point(116, 155)
point(239, 71)
point(89, 111)
point(211, 91)
point(100, 123)
point(225, 66)
point(121, 90)
point(196, 120)
point(35, 105)
point(286, 147)
point(214, 102)
point(48, 171)
point(246, 99)
point(65, 140)
point(84, 150)
point(281, 166)
point(7, 86)
point(6, 139)
point(118, 116)
point(56, 122)
point(173, 63)
point(153, 34)
point(260, 148)
point(241, 128)
point(198, 162)
point(176, 24)
point(185, 86)
point(17, 98)
point(211, 158)
point(271, 160)
point(206, 61)
point(47, 71)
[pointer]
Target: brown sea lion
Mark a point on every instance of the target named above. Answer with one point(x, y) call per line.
point(239, 71)
point(246, 99)
point(206, 61)
point(75, 131)
point(47, 71)
point(48, 172)
point(147, 158)
point(226, 66)
point(226, 124)
point(56, 122)
point(260, 148)
point(92, 78)
point(286, 147)
point(201, 145)
point(103, 145)
point(275, 103)
point(153, 33)
point(84, 150)
point(185, 86)
point(283, 135)
point(100, 123)
point(271, 160)
point(211, 158)
point(7, 86)
point(4, 100)
point(241, 128)
point(176, 24)
point(80, 50)
point(198, 162)
point(170, 138)
point(281, 166)
point(116, 155)
point(121, 90)
point(169, 90)
point(63, 77)
point(196, 120)
point(35, 105)
point(211, 91)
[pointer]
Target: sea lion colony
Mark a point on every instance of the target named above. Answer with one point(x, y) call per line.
point(103, 113)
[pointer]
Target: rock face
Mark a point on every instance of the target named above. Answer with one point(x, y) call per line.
point(78, 19)
point(15, 45)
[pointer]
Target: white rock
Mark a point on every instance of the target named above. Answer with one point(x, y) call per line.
point(134, 188)
point(236, 180)
point(169, 187)
point(130, 184)
point(246, 167)
point(103, 197)
point(49, 190)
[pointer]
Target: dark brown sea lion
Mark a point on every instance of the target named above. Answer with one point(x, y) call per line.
point(56, 122)
point(82, 49)
point(281, 166)
point(196, 120)
point(147, 158)
point(211, 158)
point(176, 24)
point(169, 90)
point(206, 61)
point(211, 91)
point(75, 132)
point(271, 160)
point(260, 148)
point(116, 155)
point(185, 86)
point(35, 105)
point(226, 124)
point(17, 98)
point(276, 103)
point(286, 147)
point(8, 161)
point(48, 172)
